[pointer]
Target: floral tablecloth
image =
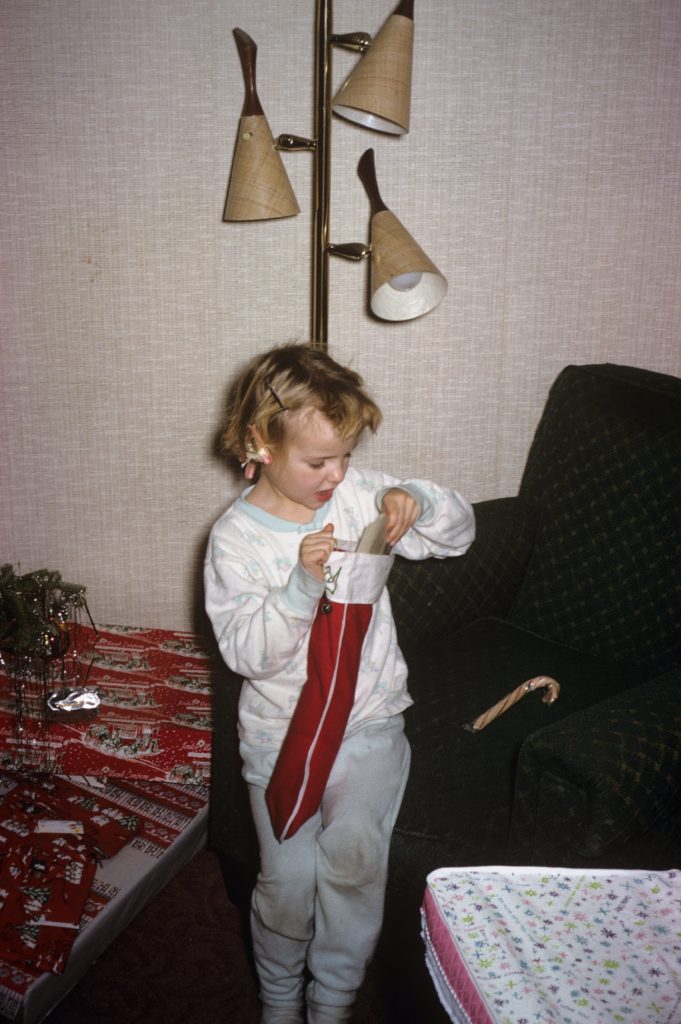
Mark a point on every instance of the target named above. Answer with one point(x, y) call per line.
point(555, 946)
point(154, 720)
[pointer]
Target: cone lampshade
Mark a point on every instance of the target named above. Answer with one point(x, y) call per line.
point(377, 94)
point(259, 188)
point(405, 283)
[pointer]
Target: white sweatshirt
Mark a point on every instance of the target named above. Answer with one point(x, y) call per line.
point(261, 603)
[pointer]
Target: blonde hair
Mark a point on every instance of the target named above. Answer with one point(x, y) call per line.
point(288, 379)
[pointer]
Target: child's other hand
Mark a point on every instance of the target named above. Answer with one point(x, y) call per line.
point(315, 550)
point(402, 510)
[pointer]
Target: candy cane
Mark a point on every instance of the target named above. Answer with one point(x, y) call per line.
point(551, 695)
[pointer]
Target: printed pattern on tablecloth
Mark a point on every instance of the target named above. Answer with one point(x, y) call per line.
point(45, 876)
point(155, 715)
point(556, 946)
point(160, 811)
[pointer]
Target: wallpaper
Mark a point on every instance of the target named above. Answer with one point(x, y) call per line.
point(541, 175)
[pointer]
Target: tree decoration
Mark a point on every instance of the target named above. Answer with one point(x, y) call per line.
point(39, 653)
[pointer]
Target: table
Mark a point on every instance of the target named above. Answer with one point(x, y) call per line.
point(135, 777)
point(554, 945)
point(171, 820)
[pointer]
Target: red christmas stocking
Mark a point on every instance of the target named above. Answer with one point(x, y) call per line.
point(318, 724)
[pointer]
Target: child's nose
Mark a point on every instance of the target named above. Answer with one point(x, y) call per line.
point(336, 473)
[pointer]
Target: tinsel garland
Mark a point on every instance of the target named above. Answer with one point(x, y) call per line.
point(35, 609)
point(39, 615)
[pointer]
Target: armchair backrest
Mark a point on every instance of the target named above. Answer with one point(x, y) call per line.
point(604, 470)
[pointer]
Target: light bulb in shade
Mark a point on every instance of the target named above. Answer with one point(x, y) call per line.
point(404, 283)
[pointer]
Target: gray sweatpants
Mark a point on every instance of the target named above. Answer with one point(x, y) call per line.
point(319, 896)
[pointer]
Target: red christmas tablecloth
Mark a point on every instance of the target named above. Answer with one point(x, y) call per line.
point(138, 823)
point(154, 720)
point(51, 837)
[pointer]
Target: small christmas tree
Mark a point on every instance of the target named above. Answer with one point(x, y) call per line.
point(39, 617)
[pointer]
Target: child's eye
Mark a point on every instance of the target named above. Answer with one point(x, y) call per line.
point(315, 465)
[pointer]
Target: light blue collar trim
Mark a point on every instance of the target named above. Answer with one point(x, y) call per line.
point(275, 522)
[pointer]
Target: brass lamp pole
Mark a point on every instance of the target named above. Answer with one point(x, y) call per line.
point(321, 177)
point(324, 41)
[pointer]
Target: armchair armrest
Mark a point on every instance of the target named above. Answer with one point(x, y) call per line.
point(602, 779)
point(433, 598)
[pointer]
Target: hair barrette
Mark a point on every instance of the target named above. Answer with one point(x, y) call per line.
point(277, 399)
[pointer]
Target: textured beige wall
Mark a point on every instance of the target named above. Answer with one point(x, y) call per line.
point(542, 175)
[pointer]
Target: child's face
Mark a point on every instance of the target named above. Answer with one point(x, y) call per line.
point(306, 468)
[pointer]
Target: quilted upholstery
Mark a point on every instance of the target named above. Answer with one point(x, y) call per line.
point(597, 789)
point(597, 605)
point(433, 598)
point(457, 805)
point(605, 471)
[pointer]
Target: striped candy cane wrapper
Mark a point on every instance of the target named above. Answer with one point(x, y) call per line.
point(537, 682)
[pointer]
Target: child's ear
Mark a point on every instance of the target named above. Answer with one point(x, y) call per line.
point(256, 449)
point(256, 437)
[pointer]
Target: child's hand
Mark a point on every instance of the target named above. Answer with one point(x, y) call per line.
point(315, 550)
point(402, 510)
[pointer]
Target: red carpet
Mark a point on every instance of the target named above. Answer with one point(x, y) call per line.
point(181, 961)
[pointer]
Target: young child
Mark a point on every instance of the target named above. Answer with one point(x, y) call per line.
point(273, 596)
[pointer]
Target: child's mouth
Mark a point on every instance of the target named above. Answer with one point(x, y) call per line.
point(324, 496)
